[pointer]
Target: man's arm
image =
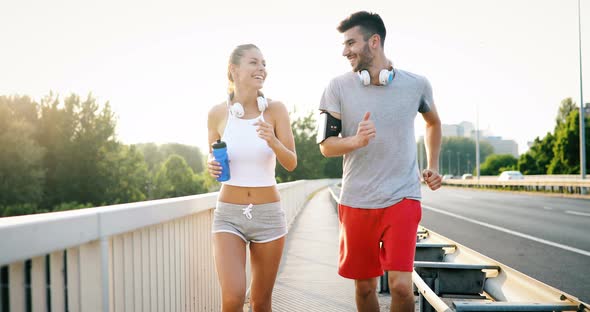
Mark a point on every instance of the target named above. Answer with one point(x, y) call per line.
point(337, 146)
point(432, 142)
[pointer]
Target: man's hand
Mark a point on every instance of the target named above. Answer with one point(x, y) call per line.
point(366, 131)
point(432, 179)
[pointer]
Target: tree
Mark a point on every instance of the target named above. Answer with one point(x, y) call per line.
point(60, 155)
point(19, 210)
point(558, 152)
point(495, 164)
point(151, 154)
point(191, 154)
point(311, 164)
point(126, 174)
point(154, 155)
point(77, 136)
point(565, 108)
point(537, 159)
point(566, 149)
point(175, 178)
point(21, 173)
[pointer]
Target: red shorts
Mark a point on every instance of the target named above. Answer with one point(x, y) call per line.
point(362, 230)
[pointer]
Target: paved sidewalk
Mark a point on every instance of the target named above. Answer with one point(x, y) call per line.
point(308, 278)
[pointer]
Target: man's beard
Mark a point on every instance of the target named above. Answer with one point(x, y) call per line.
point(365, 59)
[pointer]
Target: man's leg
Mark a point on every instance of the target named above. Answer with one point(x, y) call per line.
point(360, 232)
point(397, 252)
point(402, 294)
point(366, 295)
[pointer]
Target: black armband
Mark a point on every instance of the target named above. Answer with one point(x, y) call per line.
point(328, 126)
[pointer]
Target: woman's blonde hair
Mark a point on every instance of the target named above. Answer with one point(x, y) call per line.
point(234, 58)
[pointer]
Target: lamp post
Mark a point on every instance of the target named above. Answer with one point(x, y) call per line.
point(582, 115)
point(481, 48)
point(477, 140)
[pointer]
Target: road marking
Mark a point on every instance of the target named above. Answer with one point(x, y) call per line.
point(547, 208)
point(501, 229)
point(578, 213)
point(462, 196)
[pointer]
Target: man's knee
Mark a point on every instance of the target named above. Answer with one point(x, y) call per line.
point(401, 291)
point(400, 285)
point(365, 288)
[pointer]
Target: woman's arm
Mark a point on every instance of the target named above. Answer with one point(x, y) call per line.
point(280, 136)
point(213, 121)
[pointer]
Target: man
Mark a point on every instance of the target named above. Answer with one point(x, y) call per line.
point(373, 109)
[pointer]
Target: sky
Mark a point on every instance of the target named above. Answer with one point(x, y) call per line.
point(162, 64)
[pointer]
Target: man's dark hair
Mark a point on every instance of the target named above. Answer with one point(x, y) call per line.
point(370, 24)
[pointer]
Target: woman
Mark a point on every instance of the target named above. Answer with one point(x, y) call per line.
point(257, 133)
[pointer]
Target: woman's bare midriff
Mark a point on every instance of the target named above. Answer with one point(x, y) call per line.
point(248, 195)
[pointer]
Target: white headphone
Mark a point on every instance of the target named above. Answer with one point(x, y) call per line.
point(385, 76)
point(237, 109)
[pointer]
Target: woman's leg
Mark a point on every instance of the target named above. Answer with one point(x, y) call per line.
point(265, 259)
point(230, 262)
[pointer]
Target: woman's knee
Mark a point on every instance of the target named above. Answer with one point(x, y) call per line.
point(261, 304)
point(261, 301)
point(233, 300)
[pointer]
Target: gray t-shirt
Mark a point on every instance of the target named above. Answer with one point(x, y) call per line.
point(385, 171)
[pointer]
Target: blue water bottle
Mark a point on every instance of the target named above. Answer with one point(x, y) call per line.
point(220, 154)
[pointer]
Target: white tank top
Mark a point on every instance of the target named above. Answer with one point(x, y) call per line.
point(251, 162)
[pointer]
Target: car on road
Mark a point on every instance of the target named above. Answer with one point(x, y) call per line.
point(467, 176)
point(510, 175)
point(447, 177)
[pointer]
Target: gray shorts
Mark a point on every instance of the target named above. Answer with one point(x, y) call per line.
point(253, 223)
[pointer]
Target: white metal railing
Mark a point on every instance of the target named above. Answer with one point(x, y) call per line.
point(146, 256)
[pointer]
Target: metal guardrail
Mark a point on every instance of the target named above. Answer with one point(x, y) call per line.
point(502, 288)
point(561, 185)
point(451, 277)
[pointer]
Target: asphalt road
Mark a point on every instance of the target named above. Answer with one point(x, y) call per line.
point(547, 238)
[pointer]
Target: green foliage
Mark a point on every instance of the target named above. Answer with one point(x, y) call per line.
point(191, 154)
point(126, 175)
point(155, 155)
point(21, 173)
point(566, 107)
point(175, 178)
point(311, 164)
point(19, 210)
point(78, 138)
point(71, 206)
point(538, 157)
point(558, 152)
point(151, 154)
point(566, 148)
point(209, 182)
point(495, 164)
point(59, 155)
